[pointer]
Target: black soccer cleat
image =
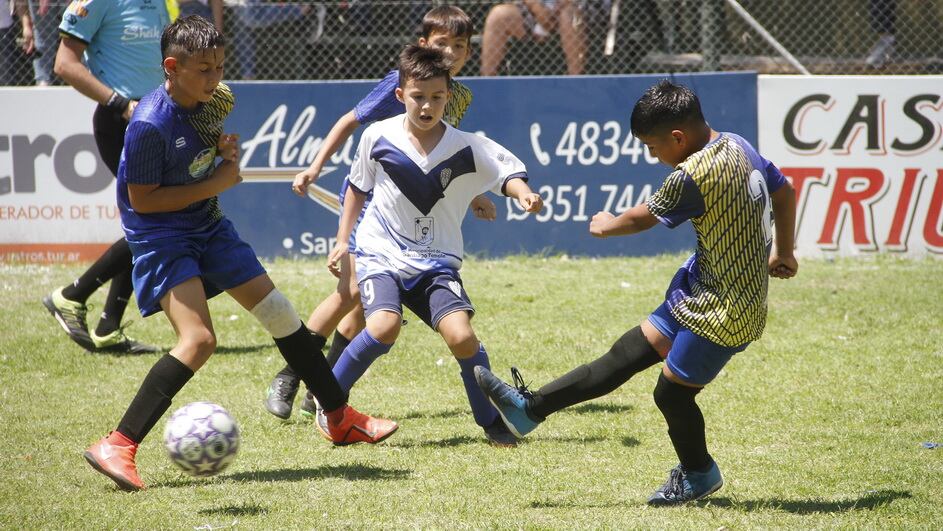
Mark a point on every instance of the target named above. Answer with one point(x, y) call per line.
point(281, 395)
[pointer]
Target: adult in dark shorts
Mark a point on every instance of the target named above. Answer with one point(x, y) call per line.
point(120, 44)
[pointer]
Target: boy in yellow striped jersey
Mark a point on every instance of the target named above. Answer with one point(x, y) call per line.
point(716, 303)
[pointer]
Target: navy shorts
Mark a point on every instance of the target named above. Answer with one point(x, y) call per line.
point(217, 255)
point(431, 298)
point(693, 358)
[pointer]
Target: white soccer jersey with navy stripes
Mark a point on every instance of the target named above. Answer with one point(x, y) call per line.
point(414, 223)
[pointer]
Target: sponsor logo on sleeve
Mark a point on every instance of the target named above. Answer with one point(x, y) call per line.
point(77, 9)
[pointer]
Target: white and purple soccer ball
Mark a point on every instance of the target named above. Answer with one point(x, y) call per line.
point(202, 438)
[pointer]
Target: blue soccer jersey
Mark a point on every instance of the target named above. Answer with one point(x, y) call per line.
point(123, 38)
point(724, 189)
point(171, 146)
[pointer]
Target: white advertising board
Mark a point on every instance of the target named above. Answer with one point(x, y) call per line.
point(57, 198)
point(865, 155)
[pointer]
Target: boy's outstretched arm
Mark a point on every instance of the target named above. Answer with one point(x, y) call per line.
point(782, 261)
point(636, 219)
point(527, 198)
point(353, 204)
point(343, 128)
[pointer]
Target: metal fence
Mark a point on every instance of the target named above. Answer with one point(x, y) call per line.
point(361, 39)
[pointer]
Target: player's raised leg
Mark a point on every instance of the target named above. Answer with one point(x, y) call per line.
point(376, 339)
point(523, 410)
point(301, 348)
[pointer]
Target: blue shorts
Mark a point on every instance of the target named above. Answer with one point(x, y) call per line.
point(217, 255)
point(694, 359)
point(431, 298)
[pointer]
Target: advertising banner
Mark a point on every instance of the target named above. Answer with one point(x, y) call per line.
point(57, 198)
point(572, 133)
point(865, 155)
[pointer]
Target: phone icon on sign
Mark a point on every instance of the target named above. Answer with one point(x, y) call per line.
point(542, 156)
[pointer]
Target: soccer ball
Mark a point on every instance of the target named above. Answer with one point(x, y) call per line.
point(202, 438)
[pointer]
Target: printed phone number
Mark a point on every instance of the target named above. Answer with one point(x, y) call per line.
point(564, 202)
point(592, 143)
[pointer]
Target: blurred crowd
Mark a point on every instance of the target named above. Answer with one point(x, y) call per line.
point(358, 39)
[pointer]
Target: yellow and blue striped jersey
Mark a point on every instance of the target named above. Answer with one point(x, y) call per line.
point(724, 189)
point(460, 99)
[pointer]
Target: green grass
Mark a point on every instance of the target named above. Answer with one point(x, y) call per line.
point(817, 425)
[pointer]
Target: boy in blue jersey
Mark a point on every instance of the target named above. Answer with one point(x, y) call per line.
point(110, 52)
point(186, 251)
point(422, 173)
point(449, 29)
point(716, 303)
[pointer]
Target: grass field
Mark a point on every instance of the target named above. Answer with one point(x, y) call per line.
point(817, 425)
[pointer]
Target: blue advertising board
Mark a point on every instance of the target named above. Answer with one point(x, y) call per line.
point(572, 133)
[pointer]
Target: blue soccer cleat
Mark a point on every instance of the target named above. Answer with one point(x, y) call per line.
point(511, 402)
point(686, 485)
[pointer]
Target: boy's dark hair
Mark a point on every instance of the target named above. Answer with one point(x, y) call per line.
point(421, 63)
point(447, 19)
point(188, 35)
point(664, 107)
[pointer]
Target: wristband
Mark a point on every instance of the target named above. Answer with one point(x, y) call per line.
point(117, 102)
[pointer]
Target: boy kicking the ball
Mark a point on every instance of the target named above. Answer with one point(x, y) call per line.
point(409, 246)
point(186, 251)
point(716, 303)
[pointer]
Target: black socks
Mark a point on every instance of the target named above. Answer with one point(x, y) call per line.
point(302, 351)
point(118, 296)
point(630, 354)
point(338, 344)
point(114, 265)
point(115, 260)
point(685, 423)
point(161, 384)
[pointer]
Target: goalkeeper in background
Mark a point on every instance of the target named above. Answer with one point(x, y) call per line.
point(185, 251)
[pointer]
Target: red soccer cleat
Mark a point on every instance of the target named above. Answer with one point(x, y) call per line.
point(117, 462)
point(354, 427)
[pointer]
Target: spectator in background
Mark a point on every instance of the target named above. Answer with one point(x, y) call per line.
point(7, 43)
point(211, 10)
point(8, 29)
point(252, 15)
point(535, 19)
point(883, 17)
point(46, 16)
